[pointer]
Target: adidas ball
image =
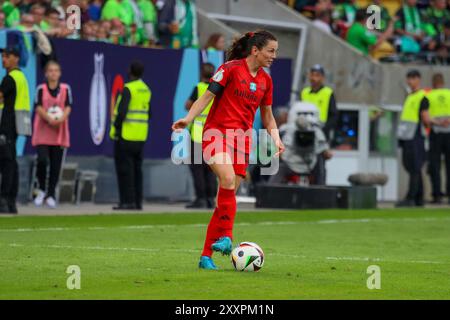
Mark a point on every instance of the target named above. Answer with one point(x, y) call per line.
point(247, 256)
point(55, 112)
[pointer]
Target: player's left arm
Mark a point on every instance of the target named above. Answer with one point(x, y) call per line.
point(68, 104)
point(268, 121)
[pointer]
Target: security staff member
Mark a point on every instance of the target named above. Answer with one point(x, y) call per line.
point(439, 111)
point(409, 132)
point(205, 183)
point(129, 130)
point(323, 98)
point(14, 121)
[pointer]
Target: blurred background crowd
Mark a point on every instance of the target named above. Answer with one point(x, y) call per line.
point(145, 23)
point(408, 29)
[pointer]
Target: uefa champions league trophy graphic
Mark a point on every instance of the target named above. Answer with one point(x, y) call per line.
point(97, 102)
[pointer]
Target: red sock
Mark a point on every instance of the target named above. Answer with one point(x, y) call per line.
point(222, 221)
point(211, 234)
point(226, 203)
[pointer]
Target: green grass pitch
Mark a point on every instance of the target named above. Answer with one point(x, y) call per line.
point(309, 255)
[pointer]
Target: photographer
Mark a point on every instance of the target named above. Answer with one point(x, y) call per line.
point(305, 141)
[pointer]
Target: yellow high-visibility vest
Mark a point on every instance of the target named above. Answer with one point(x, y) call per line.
point(439, 107)
point(21, 104)
point(199, 121)
point(321, 99)
point(410, 118)
point(135, 124)
point(439, 103)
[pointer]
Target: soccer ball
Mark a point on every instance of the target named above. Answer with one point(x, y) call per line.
point(247, 256)
point(55, 112)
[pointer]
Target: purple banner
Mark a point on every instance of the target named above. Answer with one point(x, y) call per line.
point(96, 70)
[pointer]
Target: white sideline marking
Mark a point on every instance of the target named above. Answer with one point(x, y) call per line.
point(56, 246)
point(262, 223)
point(157, 250)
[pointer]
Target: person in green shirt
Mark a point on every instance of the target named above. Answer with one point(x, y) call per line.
point(120, 9)
point(12, 12)
point(186, 17)
point(345, 11)
point(410, 27)
point(177, 24)
point(362, 39)
point(435, 17)
point(149, 19)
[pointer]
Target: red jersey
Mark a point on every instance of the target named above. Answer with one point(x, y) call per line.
point(242, 94)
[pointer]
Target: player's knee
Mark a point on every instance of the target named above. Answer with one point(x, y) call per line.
point(228, 180)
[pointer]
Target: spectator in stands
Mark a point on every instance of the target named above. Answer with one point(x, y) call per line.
point(410, 28)
point(118, 9)
point(38, 13)
point(52, 20)
point(343, 16)
point(323, 5)
point(178, 24)
point(435, 17)
point(443, 45)
point(117, 33)
point(12, 13)
point(364, 40)
point(2, 20)
point(384, 15)
point(88, 31)
point(51, 131)
point(102, 33)
point(95, 10)
point(149, 20)
point(305, 7)
point(323, 21)
point(26, 23)
point(216, 41)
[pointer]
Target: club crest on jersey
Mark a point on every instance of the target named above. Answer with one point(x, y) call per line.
point(218, 76)
point(252, 87)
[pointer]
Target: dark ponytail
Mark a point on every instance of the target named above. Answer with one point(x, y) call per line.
point(242, 47)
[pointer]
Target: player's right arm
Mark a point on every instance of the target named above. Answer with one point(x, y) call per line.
point(218, 83)
point(197, 108)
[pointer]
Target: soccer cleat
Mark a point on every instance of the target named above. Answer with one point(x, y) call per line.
point(223, 245)
point(206, 263)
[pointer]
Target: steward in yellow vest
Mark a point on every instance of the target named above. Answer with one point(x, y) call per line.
point(132, 112)
point(439, 99)
point(322, 97)
point(205, 184)
point(414, 115)
point(14, 120)
point(129, 130)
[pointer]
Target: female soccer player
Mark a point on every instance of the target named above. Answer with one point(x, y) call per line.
point(50, 135)
point(238, 88)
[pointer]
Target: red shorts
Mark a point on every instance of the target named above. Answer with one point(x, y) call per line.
point(239, 158)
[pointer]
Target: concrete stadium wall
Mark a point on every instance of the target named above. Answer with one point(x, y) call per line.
point(207, 26)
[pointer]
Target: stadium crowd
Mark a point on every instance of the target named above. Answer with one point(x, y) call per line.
point(419, 29)
point(147, 23)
